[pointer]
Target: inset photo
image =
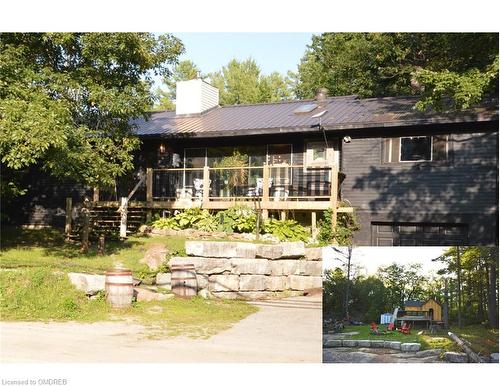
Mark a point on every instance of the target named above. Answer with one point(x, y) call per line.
point(410, 305)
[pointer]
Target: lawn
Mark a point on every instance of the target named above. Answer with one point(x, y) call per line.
point(34, 286)
point(483, 340)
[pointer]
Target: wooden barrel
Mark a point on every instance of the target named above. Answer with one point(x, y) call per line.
point(119, 289)
point(183, 280)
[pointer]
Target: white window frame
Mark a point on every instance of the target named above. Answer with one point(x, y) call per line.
point(309, 154)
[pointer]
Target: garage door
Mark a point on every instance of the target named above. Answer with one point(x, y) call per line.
point(418, 234)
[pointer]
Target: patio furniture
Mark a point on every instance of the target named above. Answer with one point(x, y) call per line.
point(198, 188)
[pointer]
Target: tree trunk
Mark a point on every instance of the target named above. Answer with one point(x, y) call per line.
point(445, 306)
point(349, 249)
point(459, 289)
point(470, 353)
point(492, 291)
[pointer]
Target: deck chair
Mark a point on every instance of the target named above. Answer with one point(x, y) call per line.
point(405, 329)
point(374, 329)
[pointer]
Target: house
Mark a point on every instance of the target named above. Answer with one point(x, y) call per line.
point(413, 178)
point(416, 311)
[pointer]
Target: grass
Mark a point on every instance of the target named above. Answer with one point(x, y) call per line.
point(46, 248)
point(483, 340)
point(40, 294)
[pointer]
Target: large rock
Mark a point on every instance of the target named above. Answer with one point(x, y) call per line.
point(429, 353)
point(155, 256)
point(276, 283)
point(330, 343)
point(350, 343)
point(310, 268)
point(145, 295)
point(202, 281)
point(164, 280)
point(293, 249)
point(224, 249)
point(395, 345)
point(494, 357)
point(255, 295)
point(252, 283)
point(285, 267)
point(202, 265)
point(410, 347)
point(269, 251)
point(304, 282)
point(314, 254)
point(364, 343)
point(225, 295)
point(377, 344)
point(250, 266)
point(223, 283)
point(455, 357)
point(86, 282)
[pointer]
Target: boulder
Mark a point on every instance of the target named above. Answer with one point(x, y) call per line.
point(410, 347)
point(304, 282)
point(223, 249)
point(276, 283)
point(143, 229)
point(269, 251)
point(255, 295)
point(428, 353)
point(285, 267)
point(225, 295)
point(378, 344)
point(293, 249)
point(223, 283)
point(164, 280)
point(202, 281)
point(250, 266)
point(455, 357)
point(205, 294)
point(145, 295)
point(155, 256)
point(494, 357)
point(331, 343)
point(310, 268)
point(208, 266)
point(252, 283)
point(314, 254)
point(364, 343)
point(350, 343)
point(86, 282)
point(395, 345)
point(269, 237)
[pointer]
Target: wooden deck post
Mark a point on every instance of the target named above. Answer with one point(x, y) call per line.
point(123, 218)
point(314, 227)
point(334, 195)
point(206, 185)
point(67, 225)
point(149, 192)
point(95, 196)
point(265, 191)
point(283, 215)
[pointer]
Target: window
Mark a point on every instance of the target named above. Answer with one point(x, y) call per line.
point(415, 149)
point(318, 154)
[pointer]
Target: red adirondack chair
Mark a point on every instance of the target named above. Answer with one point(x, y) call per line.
point(405, 328)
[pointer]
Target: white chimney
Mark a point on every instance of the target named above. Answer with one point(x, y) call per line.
point(195, 96)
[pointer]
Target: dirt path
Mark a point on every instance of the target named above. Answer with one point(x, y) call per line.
point(287, 330)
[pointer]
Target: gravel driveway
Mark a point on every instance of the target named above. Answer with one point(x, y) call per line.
point(286, 330)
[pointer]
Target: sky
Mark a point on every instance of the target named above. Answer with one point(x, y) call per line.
point(373, 257)
point(271, 51)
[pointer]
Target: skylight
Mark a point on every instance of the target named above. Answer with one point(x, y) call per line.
point(305, 108)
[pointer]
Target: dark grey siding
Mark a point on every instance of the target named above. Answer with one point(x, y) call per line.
point(463, 190)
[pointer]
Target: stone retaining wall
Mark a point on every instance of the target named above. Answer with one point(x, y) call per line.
point(404, 347)
point(238, 270)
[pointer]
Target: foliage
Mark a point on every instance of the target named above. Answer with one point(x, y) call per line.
point(289, 230)
point(347, 224)
point(403, 282)
point(239, 219)
point(242, 82)
point(437, 66)
point(193, 218)
point(234, 177)
point(184, 70)
point(67, 99)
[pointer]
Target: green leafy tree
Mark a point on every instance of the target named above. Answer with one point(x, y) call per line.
point(67, 99)
point(184, 70)
point(402, 282)
point(439, 67)
point(242, 82)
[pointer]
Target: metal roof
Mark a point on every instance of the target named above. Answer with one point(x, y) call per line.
point(414, 303)
point(347, 112)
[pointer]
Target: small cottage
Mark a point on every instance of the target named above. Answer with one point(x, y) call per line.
point(429, 311)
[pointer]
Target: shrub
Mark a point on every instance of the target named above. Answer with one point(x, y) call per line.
point(193, 218)
point(286, 230)
point(166, 223)
point(347, 224)
point(238, 219)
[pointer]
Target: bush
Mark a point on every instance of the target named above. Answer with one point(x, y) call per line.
point(239, 219)
point(347, 224)
point(194, 218)
point(289, 230)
